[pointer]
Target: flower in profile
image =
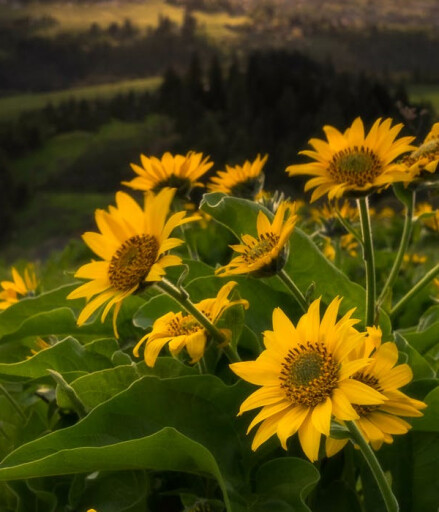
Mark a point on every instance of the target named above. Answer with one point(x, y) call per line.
point(132, 243)
point(265, 255)
point(176, 171)
point(422, 163)
point(354, 163)
point(327, 216)
point(305, 377)
point(181, 330)
point(244, 180)
point(19, 287)
point(380, 422)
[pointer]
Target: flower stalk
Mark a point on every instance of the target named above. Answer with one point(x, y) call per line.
point(369, 259)
point(429, 276)
point(180, 295)
point(377, 471)
point(292, 287)
point(406, 233)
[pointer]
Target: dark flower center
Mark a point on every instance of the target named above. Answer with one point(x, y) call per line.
point(132, 262)
point(355, 166)
point(309, 374)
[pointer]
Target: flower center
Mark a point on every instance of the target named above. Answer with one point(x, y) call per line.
point(183, 325)
point(249, 188)
point(369, 380)
point(309, 374)
point(183, 185)
point(132, 262)
point(266, 242)
point(356, 166)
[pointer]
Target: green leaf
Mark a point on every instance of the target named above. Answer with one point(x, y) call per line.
point(420, 367)
point(426, 337)
point(66, 356)
point(97, 387)
point(68, 394)
point(113, 492)
point(289, 479)
point(122, 433)
point(429, 318)
point(149, 452)
point(429, 421)
point(13, 317)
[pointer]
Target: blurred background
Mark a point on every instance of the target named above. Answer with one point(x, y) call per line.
point(86, 86)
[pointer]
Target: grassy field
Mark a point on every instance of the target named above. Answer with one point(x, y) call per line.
point(73, 17)
point(12, 106)
point(425, 93)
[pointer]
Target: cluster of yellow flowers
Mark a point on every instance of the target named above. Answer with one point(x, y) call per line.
point(320, 369)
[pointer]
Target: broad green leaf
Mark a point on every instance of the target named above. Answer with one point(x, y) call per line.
point(288, 479)
point(97, 387)
point(52, 314)
point(426, 339)
point(429, 421)
point(200, 407)
point(148, 452)
point(420, 367)
point(113, 492)
point(429, 318)
point(66, 356)
point(17, 314)
point(337, 496)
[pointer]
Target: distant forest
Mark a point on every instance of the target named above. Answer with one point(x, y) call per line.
point(32, 63)
point(272, 102)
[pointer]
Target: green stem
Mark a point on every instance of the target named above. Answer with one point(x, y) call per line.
point(202, 366)
point(181, 296)
point(401, 251)
point(429, 276)
point(14, 404)
point(292, 287)
point(377, 471)
point(369, 260)
point(348, 227)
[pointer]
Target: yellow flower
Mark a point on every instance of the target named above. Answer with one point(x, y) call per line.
point(353, 162)
point(183, 330)
point(19, 287)
point(267, 254)
point(132, 244)
point(347, 242)
point(304, 375)
point(379, 422)
point(40, 345)
point(423, 161)
point(428, 217)
point(179, 171)
point(414, 258)
point(244, 180)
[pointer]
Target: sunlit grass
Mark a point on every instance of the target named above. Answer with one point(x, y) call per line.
point(12, 106)
point(425, 93)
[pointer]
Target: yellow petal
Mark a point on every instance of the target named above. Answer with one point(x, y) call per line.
point(359, 393)
point(290, 423)
point(309, 438)
point(341, 406)
point(321, 416)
